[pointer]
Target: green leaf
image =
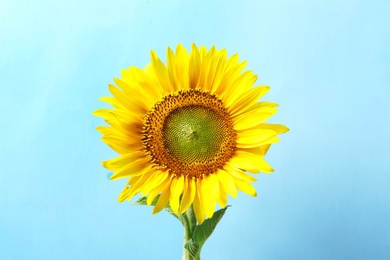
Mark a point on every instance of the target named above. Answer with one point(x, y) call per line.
point(204, 231)
point(170, 211)
point(142, 201)
point(192, 247)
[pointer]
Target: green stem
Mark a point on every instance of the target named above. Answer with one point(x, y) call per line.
point(189, 223)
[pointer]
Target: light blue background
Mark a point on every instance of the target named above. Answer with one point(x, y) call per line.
point(328, 65)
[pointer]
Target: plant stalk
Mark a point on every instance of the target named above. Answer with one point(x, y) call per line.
point(189, 223)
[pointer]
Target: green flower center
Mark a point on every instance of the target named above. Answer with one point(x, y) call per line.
point(194, 134)
point(189, 133)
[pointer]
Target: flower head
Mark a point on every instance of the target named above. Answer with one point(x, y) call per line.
point(188, 131)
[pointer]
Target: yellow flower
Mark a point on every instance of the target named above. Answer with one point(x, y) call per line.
point(188, 131)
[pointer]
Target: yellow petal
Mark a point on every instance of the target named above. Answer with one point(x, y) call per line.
point(279, 129)
point(204, 70)
point(127, 117)
point(194, 67)
point(140, 86)
point(158, 189)
point(133, 169)
point(206, 197)
point(117, 145)
point(102, 112)
point(223, 199)
point(245, 187)
point(233, 65)
point(214, 185)
point(123, 99)
point(157, 178)
point(227, 183)
point(265, 148)
point(242, 85)
point(188, 195)
point(177, 186)
point(265, 167)
point(161, 72)
point(256, 137)
point(238, 173)
point(138, 185)
point(139, 102)
point(112, 119)
point(181, 61)
point(133, 128)
point(232, 71)
point(129, 144)
point(202, 53)
point(247, 99)
point(107, 130)
point(249, 162)
point(256, 117)
point(117, 136)
point(244, 164)
point(259, 151)
point(217, 70)
point(200, 215)
point(162, 200)
point(218, 193)
point(125, 192)
point(123, 160)
point(110, 131)
point(110, 100)
point(171, 69)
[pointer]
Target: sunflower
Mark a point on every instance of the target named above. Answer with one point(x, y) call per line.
point(188, 132)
